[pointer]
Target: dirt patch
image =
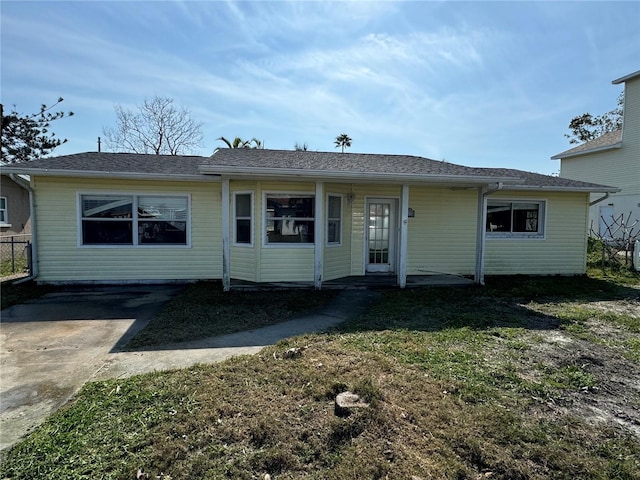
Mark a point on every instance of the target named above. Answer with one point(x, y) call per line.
point(603, 382)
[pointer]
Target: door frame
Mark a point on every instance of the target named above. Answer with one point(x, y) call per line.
point(394, 223)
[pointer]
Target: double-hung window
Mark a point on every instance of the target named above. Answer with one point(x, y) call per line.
point(4, 217)
point(290, 219)
point(518, 219)
point(243, 218)
point(334, 219)
point(135, 220)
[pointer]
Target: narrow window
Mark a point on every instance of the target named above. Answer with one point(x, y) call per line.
point(290, 218)
point(243, 218)
point(517, 219)
point(4, 217)
point(334, 219)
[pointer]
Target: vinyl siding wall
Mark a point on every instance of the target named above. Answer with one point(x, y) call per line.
point(619, 167)
point(442, 235)
point(62, 260)
point(562, 251)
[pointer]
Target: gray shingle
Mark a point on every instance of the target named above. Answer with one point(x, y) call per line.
point(608, 140)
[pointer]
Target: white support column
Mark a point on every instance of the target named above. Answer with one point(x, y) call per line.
point(318, 266)
point(226, 258)
point(480, 234)
point(404, 232)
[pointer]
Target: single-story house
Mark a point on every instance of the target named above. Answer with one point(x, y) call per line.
point(260, 216)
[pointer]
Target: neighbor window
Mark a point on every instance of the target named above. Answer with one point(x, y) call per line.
point(334, 219)
point(243, 218)
point(524, 218)
point(4, 218)
point(290, 218)
point(134, 219)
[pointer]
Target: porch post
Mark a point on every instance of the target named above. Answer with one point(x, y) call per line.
point(226, 259)
point(404, 230)
point(480, 234)
point(318, 240)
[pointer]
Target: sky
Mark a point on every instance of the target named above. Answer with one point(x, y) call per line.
point(490, 84)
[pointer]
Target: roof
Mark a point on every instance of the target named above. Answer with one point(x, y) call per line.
point(626, 78)
point(293, 165)
point(116, 165)
point(608, 141)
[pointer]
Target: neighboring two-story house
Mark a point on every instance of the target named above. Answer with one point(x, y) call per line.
point(612, 159)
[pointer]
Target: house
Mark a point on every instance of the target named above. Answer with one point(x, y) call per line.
point(294, 216)
point(14, 205)
point(612, 159)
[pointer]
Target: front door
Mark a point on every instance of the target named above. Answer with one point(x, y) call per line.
point(381, 235)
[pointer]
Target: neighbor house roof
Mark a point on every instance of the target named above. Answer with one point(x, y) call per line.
point(631, 76)
point(608, 141)
point(293, 165)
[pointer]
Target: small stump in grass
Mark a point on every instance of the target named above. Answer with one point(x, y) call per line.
point(346, 403)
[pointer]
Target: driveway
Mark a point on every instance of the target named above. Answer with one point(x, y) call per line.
point(51, 346)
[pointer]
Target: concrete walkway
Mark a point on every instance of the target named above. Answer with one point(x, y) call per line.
point(51, 346)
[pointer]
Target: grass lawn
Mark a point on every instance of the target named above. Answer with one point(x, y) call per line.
point(527, 378)
point(204, 310)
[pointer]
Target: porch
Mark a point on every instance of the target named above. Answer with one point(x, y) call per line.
point(369, 281)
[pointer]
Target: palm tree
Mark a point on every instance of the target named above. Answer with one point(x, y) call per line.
point(240, 143)
point(343, 140)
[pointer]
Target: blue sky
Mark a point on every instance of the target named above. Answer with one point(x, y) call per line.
point(476, 83)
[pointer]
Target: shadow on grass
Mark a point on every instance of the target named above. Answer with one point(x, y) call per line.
point(501, 303)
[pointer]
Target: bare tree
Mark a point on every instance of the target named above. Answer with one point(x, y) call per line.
point(157, 127)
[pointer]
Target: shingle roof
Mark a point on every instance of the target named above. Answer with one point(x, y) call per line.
point(116, 164)
point(604, 142)
point(286, 163)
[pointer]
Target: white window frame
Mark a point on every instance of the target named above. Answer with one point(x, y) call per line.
point(250, 218)
point(5, 213)
point(541, 234)
point(340, 220)
point(134, 219)
point(302, 194)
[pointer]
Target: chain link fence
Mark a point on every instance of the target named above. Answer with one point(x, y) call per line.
point(15, 256)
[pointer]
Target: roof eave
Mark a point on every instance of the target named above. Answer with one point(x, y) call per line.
point(274, 173)
point(626, 77)
point(557, 188)
point(51, 172)
point(562, 155)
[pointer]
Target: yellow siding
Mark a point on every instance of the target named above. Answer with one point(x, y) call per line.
point(61, 260)
point(442, 235)
point(562, 251)
point(336, 258)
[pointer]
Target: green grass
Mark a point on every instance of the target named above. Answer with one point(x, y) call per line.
point(204, 310)
point(7, 267)
point(16, 294)
point(463, 383)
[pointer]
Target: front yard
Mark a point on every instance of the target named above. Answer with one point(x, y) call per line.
point(527, 378)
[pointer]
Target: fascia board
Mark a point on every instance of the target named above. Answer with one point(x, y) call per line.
point(247, 172)
point(560, 156)
point(598, 189)
point(37, 172)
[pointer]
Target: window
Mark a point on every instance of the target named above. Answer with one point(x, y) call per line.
point(4, 218)
point(290, 219)
point(334, 216)
point(155, 219)
point(243, 218)
point(515, 219)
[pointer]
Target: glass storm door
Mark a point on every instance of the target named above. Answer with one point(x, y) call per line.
point(380, 235)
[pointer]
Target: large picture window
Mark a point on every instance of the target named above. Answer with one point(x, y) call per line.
point(290, 219)
point(134, 219)
point(523, 218)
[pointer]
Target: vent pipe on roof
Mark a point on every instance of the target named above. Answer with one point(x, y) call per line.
point(99, 144)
